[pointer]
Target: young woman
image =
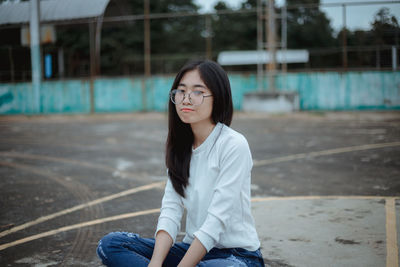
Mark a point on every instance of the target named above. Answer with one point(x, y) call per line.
point(209, 169)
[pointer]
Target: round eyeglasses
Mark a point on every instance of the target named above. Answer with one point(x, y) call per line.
point(195, 97)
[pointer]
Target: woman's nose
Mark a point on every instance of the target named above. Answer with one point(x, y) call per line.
point(186, 96)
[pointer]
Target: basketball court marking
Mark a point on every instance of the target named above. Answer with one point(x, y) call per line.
point(391, 231)
point(69, 161)
point(258, 163)
point(133, 190)
point(76, 226)
point(81, 206)
point(392, 250)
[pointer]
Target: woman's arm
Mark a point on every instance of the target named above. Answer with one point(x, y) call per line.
point(235, 170)
point(161, 249)
point(194, 254)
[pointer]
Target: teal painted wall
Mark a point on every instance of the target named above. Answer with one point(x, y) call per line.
point(344, 91)
point(317, 91)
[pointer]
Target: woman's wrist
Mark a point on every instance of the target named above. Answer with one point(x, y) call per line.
point(156, 260)
point(154, 263)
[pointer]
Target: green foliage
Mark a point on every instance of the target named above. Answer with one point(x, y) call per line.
point(376, 42)
point(383, 27)
point(234, 31)
point(308, 27)
point(177, 39)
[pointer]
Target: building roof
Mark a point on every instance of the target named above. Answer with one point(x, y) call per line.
point(52, 10)
point(254, 57)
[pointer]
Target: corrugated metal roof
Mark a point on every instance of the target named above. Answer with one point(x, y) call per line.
point(250, 57)
point(52, 10)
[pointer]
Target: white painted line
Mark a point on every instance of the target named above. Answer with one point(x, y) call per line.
point(81, 206)
point(76, 226)
point(392, 250)
point(258, 163)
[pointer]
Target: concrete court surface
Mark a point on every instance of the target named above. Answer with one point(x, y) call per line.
point(325, 186)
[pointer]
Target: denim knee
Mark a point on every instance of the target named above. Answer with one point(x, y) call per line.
point(102, 247)
point(113, 242)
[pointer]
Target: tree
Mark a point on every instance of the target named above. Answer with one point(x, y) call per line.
point(235, 31)
point(308, 27)
point(385, 28)
point(122, 43)
point(372, 48)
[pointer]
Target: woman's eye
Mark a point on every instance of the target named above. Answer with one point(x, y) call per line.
point(198, 93)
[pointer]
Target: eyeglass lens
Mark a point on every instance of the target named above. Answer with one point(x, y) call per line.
point(195, 97)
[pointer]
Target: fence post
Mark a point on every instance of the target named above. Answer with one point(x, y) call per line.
point(394, 57)
point(35, 52)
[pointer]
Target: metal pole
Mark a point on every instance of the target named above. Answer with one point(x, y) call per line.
point(92, 33)
point(271, 39)
point(147, 65)
point(147, 62)
point(60, 60)
point(394, 58)
point(98, 43)
point(284, 36)
point(344, 38)
point(92, 37)
point(378, 58)
point(35, 51)
point(260, 47)
point(10, 56)
point(284, 44)
point(208, 37)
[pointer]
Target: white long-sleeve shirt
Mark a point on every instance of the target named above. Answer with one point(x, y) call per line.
point(218, 200)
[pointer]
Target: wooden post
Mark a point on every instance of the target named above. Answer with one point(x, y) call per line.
point(260, 46)
point(271, 40)
point(208, 37)
point(147, 62)
point(344, 38)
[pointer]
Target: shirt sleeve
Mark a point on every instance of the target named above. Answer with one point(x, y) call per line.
point(171, 212)
point(236, 164)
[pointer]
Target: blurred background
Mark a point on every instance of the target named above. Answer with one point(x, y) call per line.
point(65, 181)
point(136, 47)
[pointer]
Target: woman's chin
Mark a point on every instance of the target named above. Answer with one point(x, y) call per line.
point(186, 119)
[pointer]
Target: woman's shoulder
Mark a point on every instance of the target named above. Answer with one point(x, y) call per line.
point(230, 138)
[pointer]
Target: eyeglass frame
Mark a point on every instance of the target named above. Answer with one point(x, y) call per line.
point(184, 96)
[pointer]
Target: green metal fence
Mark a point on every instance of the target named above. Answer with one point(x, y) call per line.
point(317, 91)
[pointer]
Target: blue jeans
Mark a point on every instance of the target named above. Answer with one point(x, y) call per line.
point(128, 249)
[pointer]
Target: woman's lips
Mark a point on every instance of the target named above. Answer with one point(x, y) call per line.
point(186, 110)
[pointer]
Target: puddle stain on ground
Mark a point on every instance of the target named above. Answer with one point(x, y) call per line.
point(346, 241)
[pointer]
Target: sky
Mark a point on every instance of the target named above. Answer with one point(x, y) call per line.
point(357, 17)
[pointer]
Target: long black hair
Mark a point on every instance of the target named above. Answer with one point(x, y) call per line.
point(180, 136)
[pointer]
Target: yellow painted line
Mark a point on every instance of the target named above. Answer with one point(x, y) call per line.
point(69, 161)
point(392, 250)
point(258, 163)
point(76, 226)
point(260, 199)
point(390, 218)
point(81, 206)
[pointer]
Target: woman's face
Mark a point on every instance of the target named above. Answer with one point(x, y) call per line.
point(187, 112)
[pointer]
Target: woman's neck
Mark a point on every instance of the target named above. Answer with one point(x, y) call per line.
point(201, 132)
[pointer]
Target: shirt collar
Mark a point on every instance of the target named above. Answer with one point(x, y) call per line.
point(210, 140)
